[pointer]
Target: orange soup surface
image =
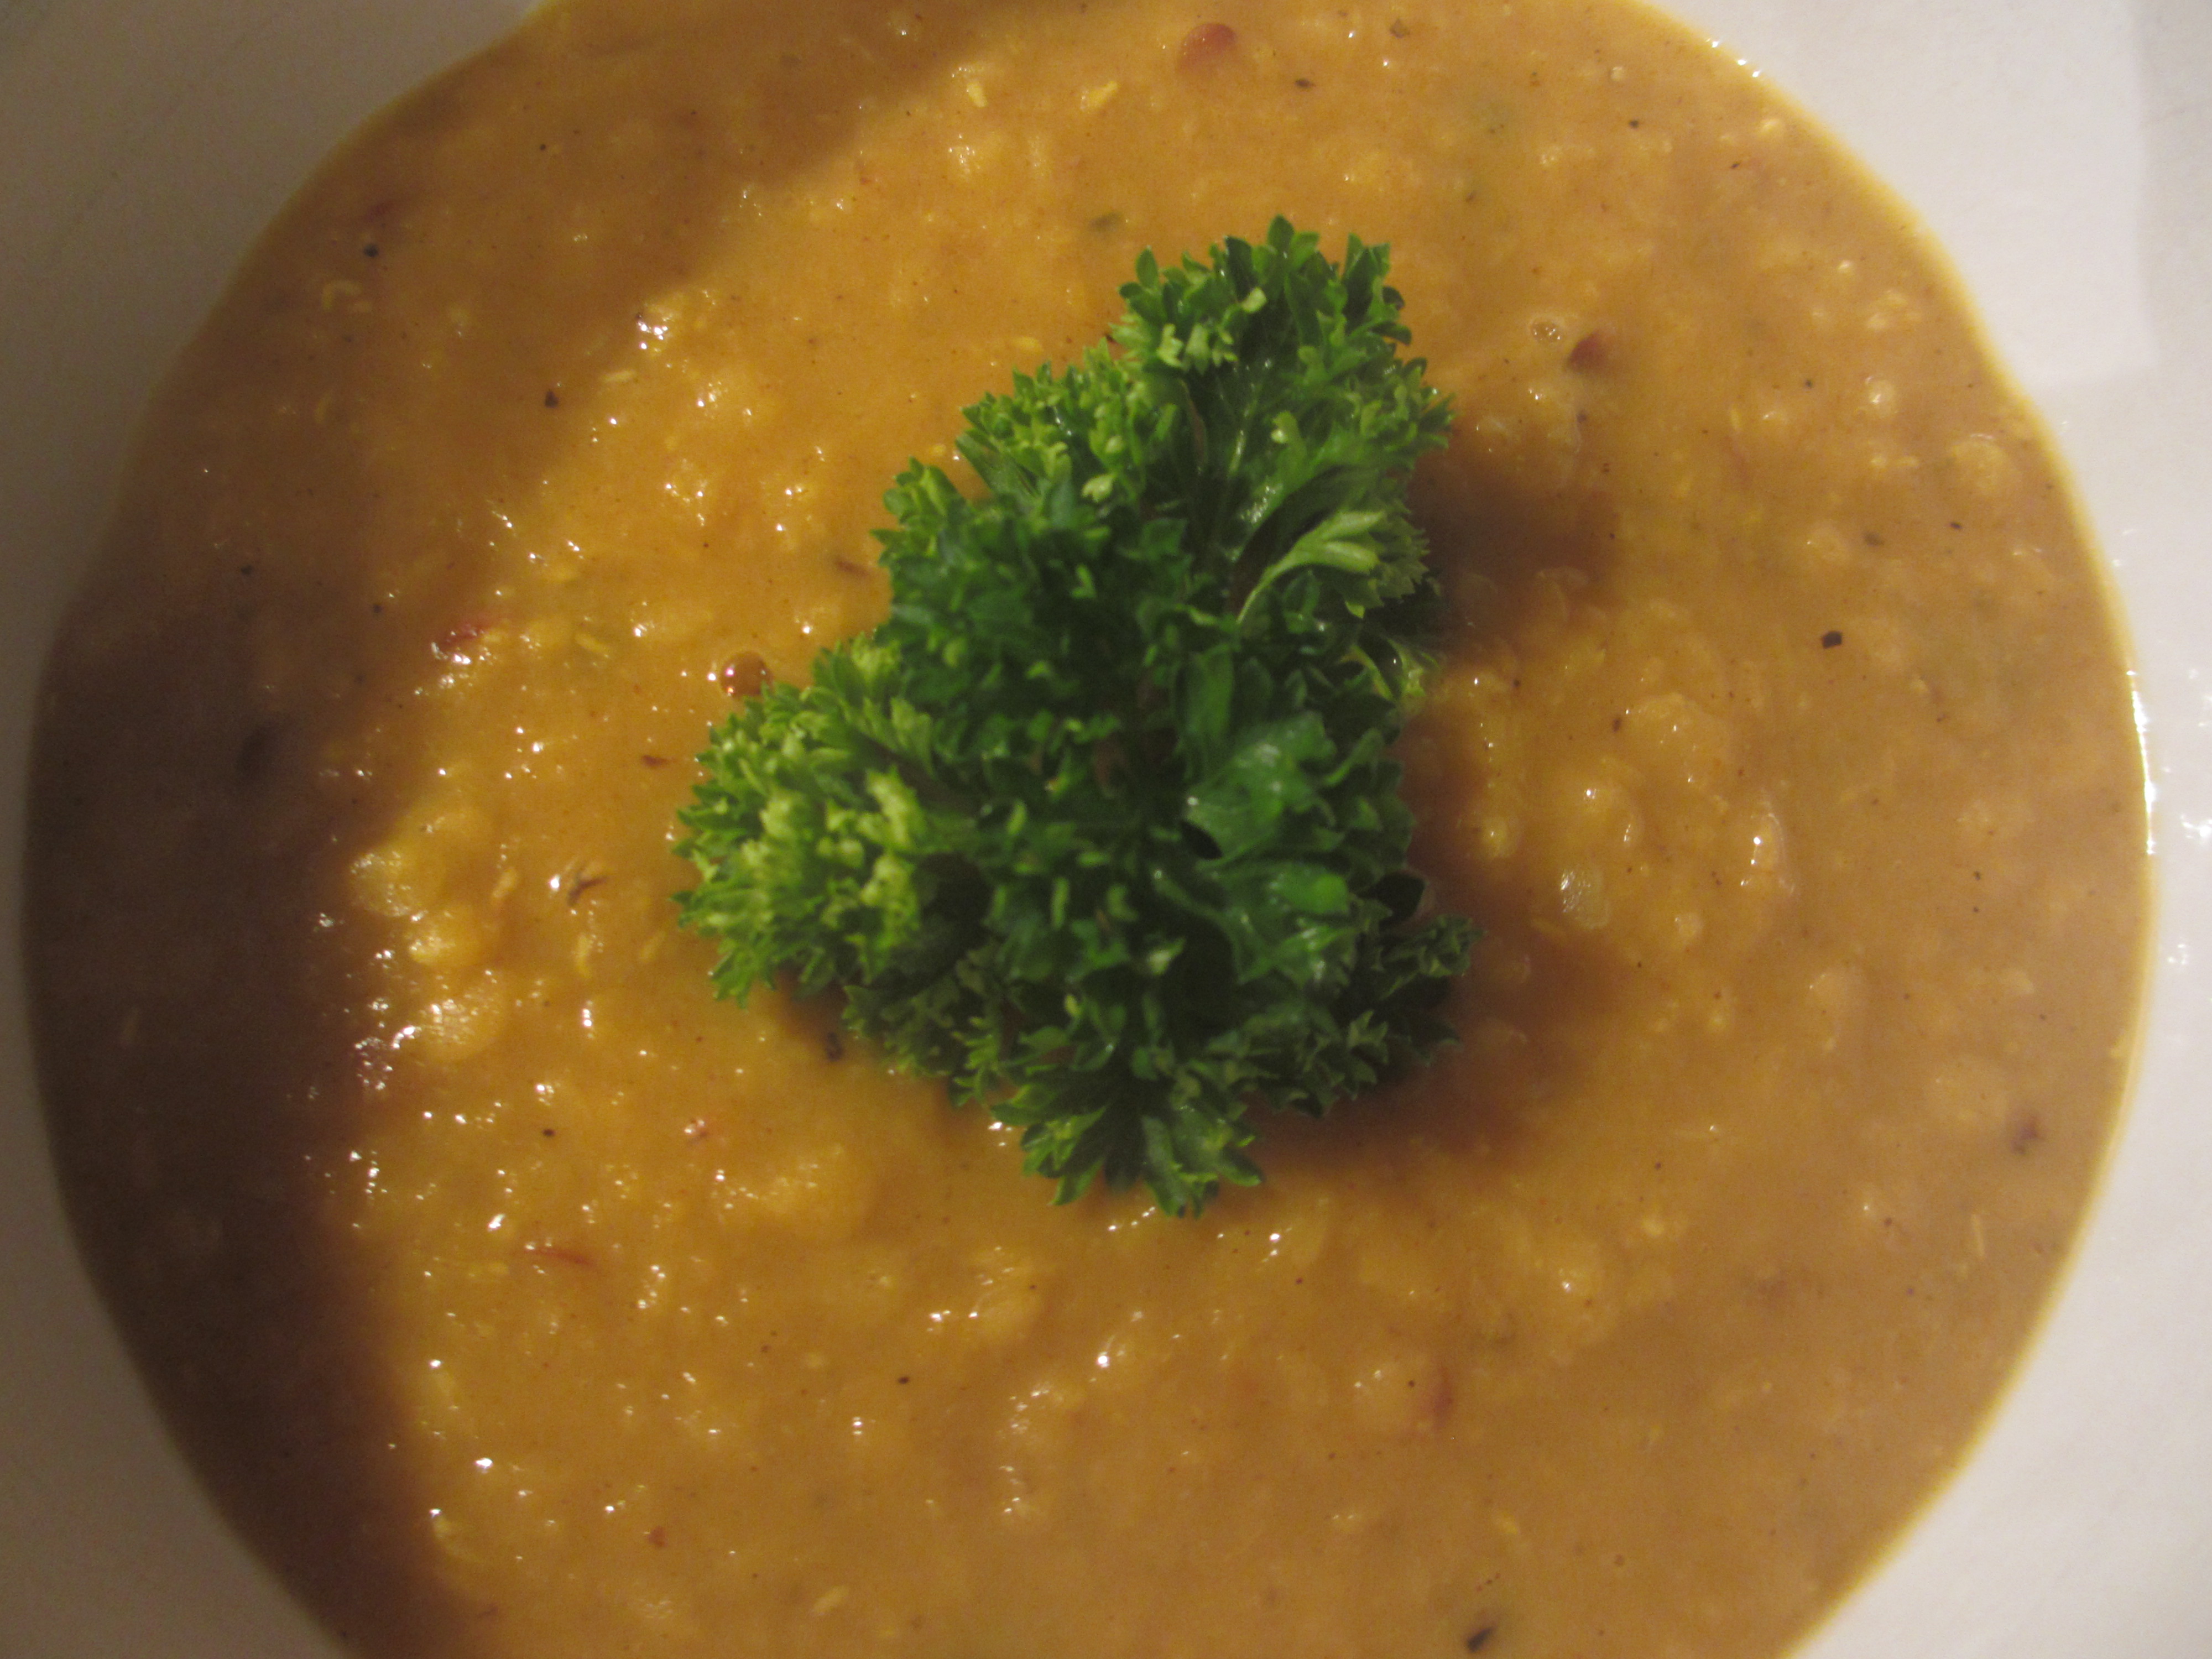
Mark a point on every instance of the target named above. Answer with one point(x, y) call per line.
point(520, 1301)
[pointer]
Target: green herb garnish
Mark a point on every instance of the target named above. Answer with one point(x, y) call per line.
point(1101, 826)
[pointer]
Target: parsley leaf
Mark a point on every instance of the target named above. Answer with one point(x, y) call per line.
point(1101, 824)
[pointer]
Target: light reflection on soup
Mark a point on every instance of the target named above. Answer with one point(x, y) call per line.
point(518, 1299)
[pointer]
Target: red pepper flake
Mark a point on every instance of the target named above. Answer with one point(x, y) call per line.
point(450, 646)
point(1206, 45)
point(745, 675)
point(1591, 352)
point(552, 1252)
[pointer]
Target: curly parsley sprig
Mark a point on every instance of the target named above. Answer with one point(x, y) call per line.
point(1101, 826)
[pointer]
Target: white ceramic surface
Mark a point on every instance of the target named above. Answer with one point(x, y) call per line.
point(2062, 150)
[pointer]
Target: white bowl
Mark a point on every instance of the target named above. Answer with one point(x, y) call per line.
point(2061, 149)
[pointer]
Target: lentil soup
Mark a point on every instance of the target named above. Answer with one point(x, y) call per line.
point(517, 1299)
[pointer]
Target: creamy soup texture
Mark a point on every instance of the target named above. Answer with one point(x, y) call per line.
point(517, 1299)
